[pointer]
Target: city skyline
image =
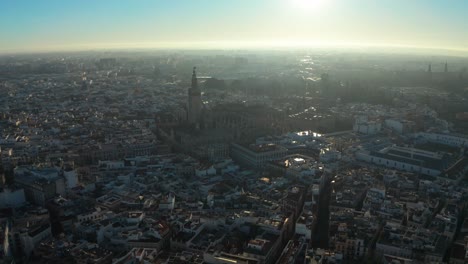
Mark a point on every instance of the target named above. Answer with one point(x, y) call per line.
point(233, 131)
point(30, 26)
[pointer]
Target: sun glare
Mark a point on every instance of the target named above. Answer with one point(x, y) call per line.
point(308, 5)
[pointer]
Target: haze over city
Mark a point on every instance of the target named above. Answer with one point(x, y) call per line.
point(234, 132)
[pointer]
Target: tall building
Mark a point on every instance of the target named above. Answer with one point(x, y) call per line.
point(429, 73)
point(84, 84)
point(446, 67)
point(194, 101)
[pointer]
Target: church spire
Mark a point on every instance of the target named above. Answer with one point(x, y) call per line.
point(194, 79)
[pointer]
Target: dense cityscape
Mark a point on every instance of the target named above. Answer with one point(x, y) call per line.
point(266, 157)
point(234, 132)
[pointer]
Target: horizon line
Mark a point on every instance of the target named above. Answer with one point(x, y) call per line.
point(228, 45)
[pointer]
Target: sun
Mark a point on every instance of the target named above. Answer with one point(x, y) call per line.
point(308, 4)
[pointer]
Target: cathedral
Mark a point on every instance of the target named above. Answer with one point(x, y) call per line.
point(207, 131)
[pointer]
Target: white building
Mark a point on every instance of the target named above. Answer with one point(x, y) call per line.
point(445, 139)
point(257, 156)
point(12, 198)
point(364, 126)
point(399, 126)
point(30, 238)
point(405, 159)
point(111, 165)
point(168, 202)
point(329, 155)
point(71, 179)
point(205, 171)
point(92, 215)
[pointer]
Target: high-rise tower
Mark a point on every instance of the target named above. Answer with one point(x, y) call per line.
point(194, 100)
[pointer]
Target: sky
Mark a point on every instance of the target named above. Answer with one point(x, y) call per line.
point(58, 25)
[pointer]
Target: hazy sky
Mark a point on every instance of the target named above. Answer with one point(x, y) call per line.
point(39, 25)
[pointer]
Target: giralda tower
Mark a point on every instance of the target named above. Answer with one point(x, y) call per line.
point(194, 100)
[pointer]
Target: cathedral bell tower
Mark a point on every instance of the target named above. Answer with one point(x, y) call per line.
point(194, 101)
